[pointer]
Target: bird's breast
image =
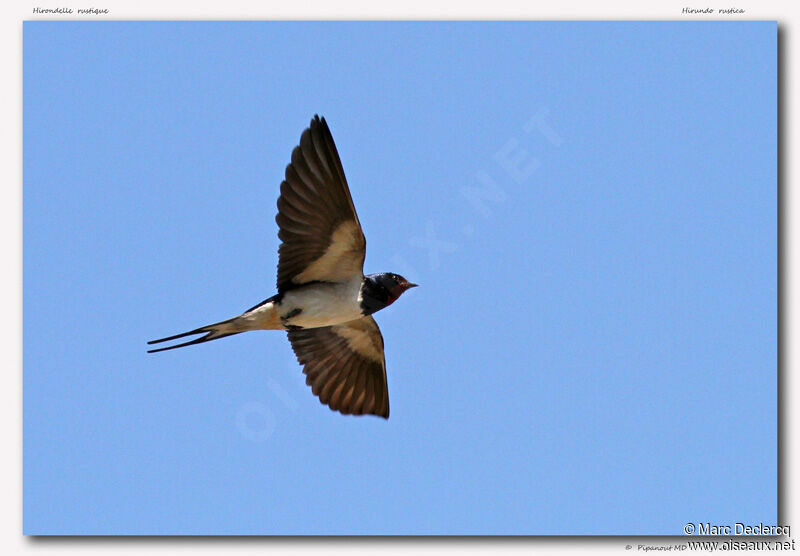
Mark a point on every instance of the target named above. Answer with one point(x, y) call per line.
point(321, 304)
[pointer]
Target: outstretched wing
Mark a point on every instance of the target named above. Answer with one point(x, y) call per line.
point(345, 366)
point(321, 235)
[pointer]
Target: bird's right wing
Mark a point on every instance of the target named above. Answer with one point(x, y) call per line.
point(319, 227)
point(345, 366)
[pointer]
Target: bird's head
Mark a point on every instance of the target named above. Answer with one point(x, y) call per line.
point(384, 289)
point(396, 285)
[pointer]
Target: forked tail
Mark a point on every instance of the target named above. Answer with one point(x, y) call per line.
point(263, 316)
point(212, 332)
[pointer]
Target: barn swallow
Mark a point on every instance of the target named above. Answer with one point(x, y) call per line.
point(324, 301)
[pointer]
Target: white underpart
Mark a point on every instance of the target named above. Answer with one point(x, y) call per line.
point(323, 304)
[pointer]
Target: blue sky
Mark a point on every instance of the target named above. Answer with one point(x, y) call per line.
point(590, 209)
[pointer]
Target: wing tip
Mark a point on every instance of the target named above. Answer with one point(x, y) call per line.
point(319, 121)
point(383, 414)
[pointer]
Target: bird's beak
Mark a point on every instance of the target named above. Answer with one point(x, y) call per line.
point(410, 285)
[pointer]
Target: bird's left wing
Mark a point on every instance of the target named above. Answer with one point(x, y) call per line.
point(345, 366)
point(319, 227)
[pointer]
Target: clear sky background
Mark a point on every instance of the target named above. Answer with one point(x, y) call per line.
point(589, 208)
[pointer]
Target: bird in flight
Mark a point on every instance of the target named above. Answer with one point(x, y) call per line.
point(324, 301)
